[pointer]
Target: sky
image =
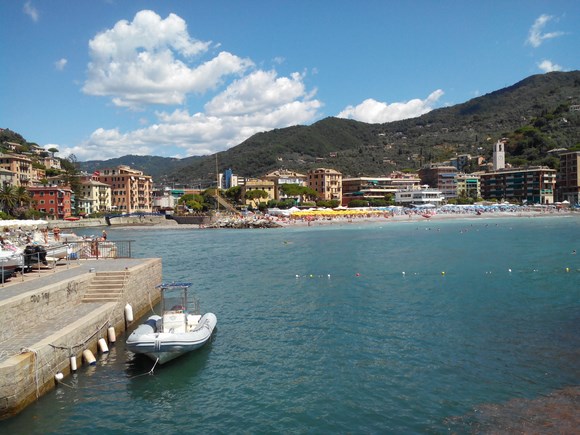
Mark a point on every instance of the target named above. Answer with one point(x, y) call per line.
point(100, 79)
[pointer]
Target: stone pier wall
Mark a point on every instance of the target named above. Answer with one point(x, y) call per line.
point(27, 376)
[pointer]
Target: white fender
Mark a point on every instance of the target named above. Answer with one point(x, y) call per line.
point(128, 313)
point(89, 357)
point(111, 335)
point(103, 345)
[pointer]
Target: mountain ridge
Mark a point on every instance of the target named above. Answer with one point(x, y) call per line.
point(356, 148)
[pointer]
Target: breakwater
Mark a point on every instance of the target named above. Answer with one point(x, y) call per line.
point(51, 319)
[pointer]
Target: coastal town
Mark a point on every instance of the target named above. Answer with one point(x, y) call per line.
point(37, 185)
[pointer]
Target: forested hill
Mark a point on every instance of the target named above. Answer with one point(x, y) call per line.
point(534, 114)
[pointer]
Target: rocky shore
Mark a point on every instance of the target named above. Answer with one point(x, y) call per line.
point(243, 222)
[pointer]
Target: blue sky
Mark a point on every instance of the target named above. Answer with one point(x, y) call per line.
point(106, 78)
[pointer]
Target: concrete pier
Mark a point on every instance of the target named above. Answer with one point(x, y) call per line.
point(48, 317)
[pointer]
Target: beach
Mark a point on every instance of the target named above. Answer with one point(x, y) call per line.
point(347, 217)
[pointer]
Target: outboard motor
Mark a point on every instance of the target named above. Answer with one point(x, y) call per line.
point(34, 255)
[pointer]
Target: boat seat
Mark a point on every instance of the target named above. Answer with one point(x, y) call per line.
point(174, 321)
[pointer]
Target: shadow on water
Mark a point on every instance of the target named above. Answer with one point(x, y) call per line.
point(146, 379)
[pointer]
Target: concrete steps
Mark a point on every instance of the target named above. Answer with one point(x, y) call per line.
point(105, 287)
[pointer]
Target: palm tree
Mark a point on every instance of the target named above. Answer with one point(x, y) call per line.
point(22, 196)
point(8, 198)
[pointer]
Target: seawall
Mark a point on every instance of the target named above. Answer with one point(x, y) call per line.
point(50, 319)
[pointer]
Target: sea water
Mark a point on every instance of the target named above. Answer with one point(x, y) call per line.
point(409, 327)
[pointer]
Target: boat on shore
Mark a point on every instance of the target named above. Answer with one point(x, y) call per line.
point(180, 329)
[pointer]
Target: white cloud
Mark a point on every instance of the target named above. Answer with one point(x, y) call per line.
point(31, 11)
point(60, 64)
point(373, 111)
point(547, 66)
point(150, 61)
point(535, 36)
point(147, 61)
point(180, 134)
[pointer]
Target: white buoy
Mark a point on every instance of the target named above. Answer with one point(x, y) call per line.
point(73, 363)
point(103, 345)
point(89, 357)
point(59, 377)
point(128, 313)
point(111, 334)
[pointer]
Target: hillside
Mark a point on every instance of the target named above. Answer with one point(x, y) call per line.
point(155, 166)
point(533, 113)
point(357, 148)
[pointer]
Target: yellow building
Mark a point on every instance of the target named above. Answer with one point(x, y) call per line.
point(468, 185)
point(131, 190)
point(283, 176)
point(95, 197)
point(257, 184)
point(21, 167)
point(327, 182)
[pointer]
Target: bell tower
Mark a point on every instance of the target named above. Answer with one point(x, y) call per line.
point(499, 155)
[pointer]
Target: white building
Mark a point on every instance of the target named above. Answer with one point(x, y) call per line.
point(419, 198)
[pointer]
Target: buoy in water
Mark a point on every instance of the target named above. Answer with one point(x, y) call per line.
point(58, 377)
point(73, 363)
point(89, 357)
point(103, 345)
point(442, 273)
point(111, 334)
point(128, 313)
point(567, 269)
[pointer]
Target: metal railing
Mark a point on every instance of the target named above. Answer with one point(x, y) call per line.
point(97, 249)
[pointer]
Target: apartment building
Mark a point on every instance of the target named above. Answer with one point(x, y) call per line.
point(258, 184)
point(327, 182)
point(95, 197)
point(534, 185)
point(441, 178)
point(568, 180)
point(283, 176)
point(20, 165)
point(55, 201)
point(468, 185)
point(377, 187)
point(131, 190)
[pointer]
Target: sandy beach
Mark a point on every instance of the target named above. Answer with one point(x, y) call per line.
point(416, 217)
point(262, 221)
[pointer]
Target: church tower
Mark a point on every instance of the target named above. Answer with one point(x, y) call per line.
point(499, 155)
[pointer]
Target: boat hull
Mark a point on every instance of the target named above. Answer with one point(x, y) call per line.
point(164, 346)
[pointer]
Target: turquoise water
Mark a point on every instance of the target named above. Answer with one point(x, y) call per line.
point(375, 328)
